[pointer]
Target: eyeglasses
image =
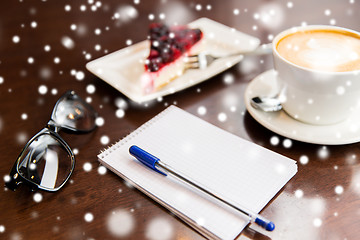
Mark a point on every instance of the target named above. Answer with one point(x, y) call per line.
point(47, 162)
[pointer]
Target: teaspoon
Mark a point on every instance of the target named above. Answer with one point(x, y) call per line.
point(266, 104)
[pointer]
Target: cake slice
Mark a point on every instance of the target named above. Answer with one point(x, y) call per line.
point(169, 47)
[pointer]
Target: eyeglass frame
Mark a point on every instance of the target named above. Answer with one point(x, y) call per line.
point(52, 129)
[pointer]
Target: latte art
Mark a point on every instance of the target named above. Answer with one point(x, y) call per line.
point(325, 50)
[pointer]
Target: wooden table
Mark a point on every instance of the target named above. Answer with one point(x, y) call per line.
point(44, 46)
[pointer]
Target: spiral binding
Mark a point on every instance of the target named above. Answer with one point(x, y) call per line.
point(106, 151)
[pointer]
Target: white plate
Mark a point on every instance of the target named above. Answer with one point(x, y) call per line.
point(122, 69)
point(281, 123)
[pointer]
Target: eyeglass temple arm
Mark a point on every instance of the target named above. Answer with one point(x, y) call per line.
point(15, 179)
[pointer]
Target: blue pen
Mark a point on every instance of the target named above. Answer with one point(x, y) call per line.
point(153, 162)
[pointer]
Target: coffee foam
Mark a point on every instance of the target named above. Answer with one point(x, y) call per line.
point(325, 50)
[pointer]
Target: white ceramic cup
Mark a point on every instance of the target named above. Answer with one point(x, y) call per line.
point(315, 96)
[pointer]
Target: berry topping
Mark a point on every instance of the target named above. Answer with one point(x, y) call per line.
point(167, 44)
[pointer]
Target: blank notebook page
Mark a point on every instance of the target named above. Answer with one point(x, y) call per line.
point(239, 171)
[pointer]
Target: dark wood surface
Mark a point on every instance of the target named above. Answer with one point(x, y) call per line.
point(322, 201)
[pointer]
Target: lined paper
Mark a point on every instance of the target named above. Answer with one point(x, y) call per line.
point(239, 171)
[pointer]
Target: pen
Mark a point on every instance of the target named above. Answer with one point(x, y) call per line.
point(154, 163)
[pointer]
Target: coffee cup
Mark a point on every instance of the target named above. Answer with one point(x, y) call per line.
point(318, 73)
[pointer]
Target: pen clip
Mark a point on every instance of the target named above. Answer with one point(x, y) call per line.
point(145, 158)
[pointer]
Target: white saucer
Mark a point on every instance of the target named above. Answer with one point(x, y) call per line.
point(281, 123)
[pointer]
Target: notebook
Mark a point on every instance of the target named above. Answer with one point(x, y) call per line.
point(238, 170)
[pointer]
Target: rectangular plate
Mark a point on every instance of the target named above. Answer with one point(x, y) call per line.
point(123, 69)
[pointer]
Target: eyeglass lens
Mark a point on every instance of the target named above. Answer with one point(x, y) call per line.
point(45, 162)
point(71, 112)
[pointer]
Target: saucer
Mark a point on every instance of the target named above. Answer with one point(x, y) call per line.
point(345, 132)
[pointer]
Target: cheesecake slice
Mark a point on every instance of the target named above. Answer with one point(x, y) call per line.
point(169, 47)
